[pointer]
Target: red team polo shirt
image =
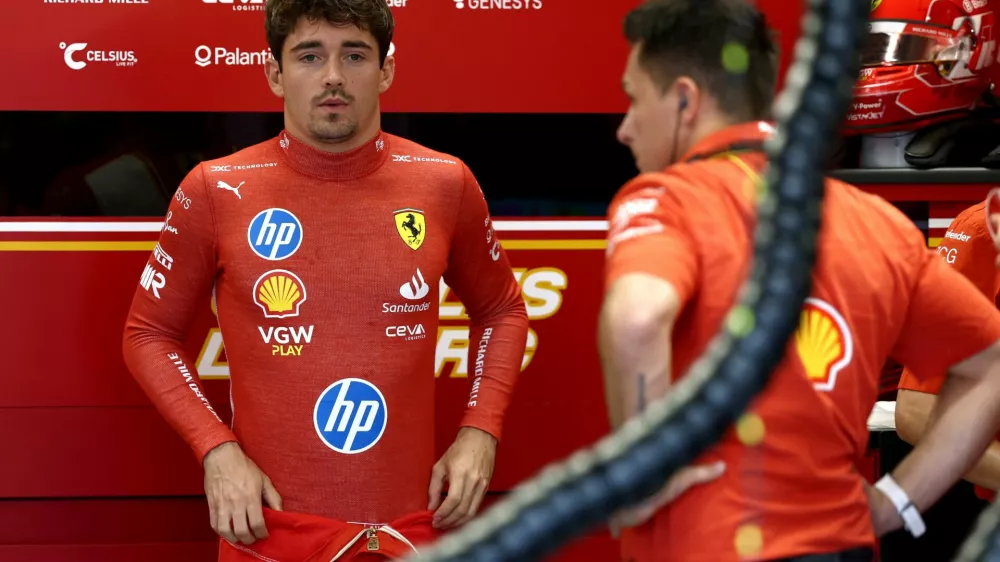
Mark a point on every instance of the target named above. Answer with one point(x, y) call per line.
point(968, 249)
point(792, 485)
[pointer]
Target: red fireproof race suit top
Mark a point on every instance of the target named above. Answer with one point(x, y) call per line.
point(325, 271)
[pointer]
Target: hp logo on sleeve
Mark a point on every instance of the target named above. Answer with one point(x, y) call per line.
point(275, 234)
point(350, 416)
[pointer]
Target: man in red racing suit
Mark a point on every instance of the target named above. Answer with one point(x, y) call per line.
point(324, 249)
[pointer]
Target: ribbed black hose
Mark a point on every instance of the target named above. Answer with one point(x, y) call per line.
point(569, 498)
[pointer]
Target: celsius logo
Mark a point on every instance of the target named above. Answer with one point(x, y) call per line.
point(206, 56)
point(350, 416)
point(76, 56)
point(499, 4)
point(240, 5)
point(275, 234)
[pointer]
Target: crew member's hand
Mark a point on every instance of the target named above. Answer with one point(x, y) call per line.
point(885, 519)
point(235, 486)
point(467, 466)
point(682, 481)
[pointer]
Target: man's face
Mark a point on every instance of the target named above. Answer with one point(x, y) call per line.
point(649, 126)
point(330, 80)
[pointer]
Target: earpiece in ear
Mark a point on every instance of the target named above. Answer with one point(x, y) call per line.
point(684, 103)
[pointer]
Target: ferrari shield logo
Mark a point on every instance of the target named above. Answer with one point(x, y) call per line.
point(411, 227)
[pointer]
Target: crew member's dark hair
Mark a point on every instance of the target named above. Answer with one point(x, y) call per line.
point(688, 37)
point(373, 16)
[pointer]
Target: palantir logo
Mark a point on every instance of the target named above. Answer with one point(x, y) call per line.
point(275, 234)
point(350, 416)
point(203, 56)
point(416, 288)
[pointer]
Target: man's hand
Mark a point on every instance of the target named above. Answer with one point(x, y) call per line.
point(235, 486)
point(467, 466)
point(679, 483)
point(885, 519)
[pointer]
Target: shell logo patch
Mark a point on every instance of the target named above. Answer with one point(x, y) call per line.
point(824, 343)
point(279, 293)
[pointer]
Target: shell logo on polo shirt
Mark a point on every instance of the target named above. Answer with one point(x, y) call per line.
point(824, 343)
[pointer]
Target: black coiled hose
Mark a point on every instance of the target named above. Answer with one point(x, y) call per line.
point(569, 498)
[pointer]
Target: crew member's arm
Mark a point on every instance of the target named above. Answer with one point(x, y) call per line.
point(973, 258)
point(913, 411)
point(480, 275)
point(178, 278)
point(950, 327)
point(651, 271)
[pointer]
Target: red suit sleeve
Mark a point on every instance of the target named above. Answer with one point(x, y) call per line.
point(178, 278)
point(480, 275)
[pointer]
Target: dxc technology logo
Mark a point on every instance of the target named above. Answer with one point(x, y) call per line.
point(275, 234)
point(350, 416)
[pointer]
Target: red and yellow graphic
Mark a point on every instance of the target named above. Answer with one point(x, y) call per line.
point(823, 342)
point(279, 293)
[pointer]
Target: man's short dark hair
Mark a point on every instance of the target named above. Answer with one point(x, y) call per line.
point(372, 16)
point(688, 38)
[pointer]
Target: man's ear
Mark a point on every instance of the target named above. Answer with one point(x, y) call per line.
point(689, 99)
point(272, 69)
point(388, 73)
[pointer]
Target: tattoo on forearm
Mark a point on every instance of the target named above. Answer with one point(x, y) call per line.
point(641, 395)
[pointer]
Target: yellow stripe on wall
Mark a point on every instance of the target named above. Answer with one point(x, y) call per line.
point(554, 244)
point(147, 246)
point(934, 242)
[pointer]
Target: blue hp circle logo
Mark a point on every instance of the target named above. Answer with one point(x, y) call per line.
point(350, 416)
point(275, 234)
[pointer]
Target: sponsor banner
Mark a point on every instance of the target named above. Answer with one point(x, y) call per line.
point(74, 282)
point(458, 56)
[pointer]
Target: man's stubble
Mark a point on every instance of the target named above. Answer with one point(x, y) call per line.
point(332, 128)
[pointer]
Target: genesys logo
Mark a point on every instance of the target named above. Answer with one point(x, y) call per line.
point(222, 56)
point(499, 4)
point(78, 55)
point(239, 5)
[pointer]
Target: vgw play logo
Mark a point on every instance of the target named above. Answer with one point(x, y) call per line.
point(350, 416)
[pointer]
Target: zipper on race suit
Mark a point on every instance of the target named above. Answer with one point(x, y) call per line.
point(372, 535)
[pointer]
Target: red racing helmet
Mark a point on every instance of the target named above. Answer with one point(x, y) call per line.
point(925, 62)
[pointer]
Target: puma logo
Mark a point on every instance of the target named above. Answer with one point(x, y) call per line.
point(227, 187)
